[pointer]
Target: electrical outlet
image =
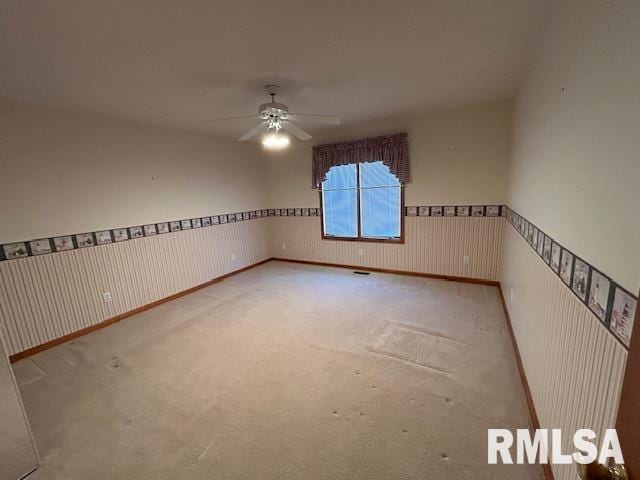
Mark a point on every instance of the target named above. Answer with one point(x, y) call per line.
point(465, 260)
point(233, 256)
point(284, 246)
point(106, 297)
point(511, 294)
point(360, 251)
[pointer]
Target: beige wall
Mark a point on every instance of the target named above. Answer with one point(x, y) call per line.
point(576, 168)
point(67, 173)
point(575, 173)
point(574, 366)
point(70, 172)
point(46, 297)
point(64, 173)
point(457, 157)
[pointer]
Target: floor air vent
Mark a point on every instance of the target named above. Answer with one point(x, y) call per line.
point(361, 273)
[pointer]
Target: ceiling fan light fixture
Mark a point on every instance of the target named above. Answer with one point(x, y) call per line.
point(275, 141)
point(274, 116)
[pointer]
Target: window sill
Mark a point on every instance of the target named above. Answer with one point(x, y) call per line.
point(398, 241)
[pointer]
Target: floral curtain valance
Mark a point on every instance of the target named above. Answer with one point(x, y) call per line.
point(392, 150)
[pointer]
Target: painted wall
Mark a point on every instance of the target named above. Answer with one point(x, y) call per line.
point(574, 366)
point(86, 173)
point(575, 169)
point(575, 173)
point(65, 173)
point(457, 157)
point(45, 297)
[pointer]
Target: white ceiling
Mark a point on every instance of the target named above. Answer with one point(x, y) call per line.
point(181, 62)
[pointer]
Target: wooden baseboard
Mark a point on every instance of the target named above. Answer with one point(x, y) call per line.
point(479, 281)
point(533, 415)
point(110, 321)
point(535, 423)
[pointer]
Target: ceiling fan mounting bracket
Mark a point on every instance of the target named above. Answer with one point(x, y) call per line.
point(273, 111)
point(272, 89)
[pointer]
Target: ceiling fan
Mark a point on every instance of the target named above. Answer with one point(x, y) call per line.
point(274, 116)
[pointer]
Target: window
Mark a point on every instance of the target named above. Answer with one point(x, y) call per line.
point(361, 201)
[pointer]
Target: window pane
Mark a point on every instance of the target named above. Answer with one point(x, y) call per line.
point(340, 177)
point(340, 213)
point(379, 201)
point(380, 212)
point(339, 202)
point(377, 174)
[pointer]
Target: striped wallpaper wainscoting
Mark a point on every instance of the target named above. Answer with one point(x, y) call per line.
point(573, 364)
point(45, 297)
point(433, 245)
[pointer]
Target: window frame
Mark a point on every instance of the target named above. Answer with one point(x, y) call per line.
point(360, 238)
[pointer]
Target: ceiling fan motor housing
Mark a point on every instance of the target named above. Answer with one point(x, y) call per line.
point(273, 110)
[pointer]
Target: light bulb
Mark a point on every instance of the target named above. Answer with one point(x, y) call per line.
point(275, 141)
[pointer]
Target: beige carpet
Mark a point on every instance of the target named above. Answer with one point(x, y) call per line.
point(284, 372)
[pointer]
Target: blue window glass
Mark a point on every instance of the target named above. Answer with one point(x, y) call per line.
point(340, 202)
point(379, 201)
point(369, 188)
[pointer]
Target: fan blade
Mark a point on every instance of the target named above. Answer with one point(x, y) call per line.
point(254, 131)
point(245, 117)
point(303, 117)
point(295, 130)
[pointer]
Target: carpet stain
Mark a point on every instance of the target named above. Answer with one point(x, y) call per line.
point(115, 363)
point(489, 324)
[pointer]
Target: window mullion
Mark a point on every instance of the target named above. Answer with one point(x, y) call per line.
point(359, 201)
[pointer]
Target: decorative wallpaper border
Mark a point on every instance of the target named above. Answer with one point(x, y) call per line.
point(612, 305)
point(417, 211)
point(63, 243)
point(455, 211)
point(294, 212)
